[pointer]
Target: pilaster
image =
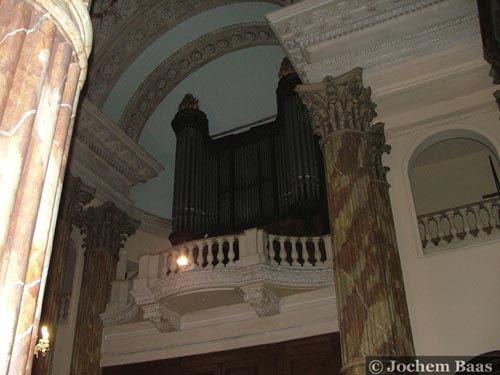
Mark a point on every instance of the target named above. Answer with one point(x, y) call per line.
point(105, 228)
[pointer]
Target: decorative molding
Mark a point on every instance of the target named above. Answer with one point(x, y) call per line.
point(204, 279)
point(125, 34)
point(120, 316)
point(262, 299)
point(185, 61)
point(343, 103)
point(165, 319)
point(105, 228)
point(99, 134)
point(312, 29)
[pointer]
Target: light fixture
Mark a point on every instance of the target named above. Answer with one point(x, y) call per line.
point(182, 261)
point(43, 345)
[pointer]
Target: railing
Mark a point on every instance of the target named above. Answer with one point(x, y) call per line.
point(443, 228)
point(254, 246)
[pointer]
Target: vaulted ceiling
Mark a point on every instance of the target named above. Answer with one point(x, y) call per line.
point(149, 53)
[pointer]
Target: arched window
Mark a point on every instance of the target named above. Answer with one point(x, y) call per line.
point(454, 191)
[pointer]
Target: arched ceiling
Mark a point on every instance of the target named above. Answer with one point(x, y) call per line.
point(149, 53)
point(123, 29)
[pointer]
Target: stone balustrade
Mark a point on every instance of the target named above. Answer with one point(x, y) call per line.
point(459, 225)
point(253, 265)
point(251, 247)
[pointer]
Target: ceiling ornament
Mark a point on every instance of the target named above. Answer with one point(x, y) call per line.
point(122, 35)
point(184, 62)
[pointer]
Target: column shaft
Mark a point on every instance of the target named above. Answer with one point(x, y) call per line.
point(373, 315)
point(105, 227)
point(42, 68)
point(75, 196)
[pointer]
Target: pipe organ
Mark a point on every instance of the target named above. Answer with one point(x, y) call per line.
point(269, 176)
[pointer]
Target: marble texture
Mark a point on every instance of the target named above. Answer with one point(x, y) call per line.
point(373, 315)
point(75, 195)
point(44, 50)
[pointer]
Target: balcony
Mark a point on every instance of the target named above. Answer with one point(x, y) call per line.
point(254, 268)
point(460, 226)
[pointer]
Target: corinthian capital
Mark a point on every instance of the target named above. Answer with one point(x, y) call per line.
point(106, 228)
point(338, 103)
point(74, 197)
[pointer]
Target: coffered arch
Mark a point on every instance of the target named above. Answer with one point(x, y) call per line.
point(127, 33)
point(184, 62)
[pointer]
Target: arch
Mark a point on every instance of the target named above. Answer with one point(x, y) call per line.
point(184, 62)
point(129, 38)
point(446, 135)
point(447, 190)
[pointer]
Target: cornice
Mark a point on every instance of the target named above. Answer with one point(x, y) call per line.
point(385, 32)
point(184, 62)
point(97, 132)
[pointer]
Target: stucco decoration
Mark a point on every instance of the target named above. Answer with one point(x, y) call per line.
point(262, 299)
point(146, 291)
point(125, 30)
point(184, 62)
point(319, 39)
point(165, 319)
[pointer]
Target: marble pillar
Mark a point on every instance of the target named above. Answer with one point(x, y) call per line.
point(75, 195)
point(373, 315)
point(44, 47)
point(105, 228)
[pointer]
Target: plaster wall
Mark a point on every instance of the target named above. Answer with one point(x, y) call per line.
point(449, 294)
point(451, 183)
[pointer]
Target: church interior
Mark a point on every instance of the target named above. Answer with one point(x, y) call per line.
point(238, 187)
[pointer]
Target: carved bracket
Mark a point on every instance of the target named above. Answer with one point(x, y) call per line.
point(262, 299)
point(165, 319)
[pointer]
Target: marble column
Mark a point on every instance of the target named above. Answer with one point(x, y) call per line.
point(373, 316)
point(75, 195)
point(44, 47)
point(105, 228)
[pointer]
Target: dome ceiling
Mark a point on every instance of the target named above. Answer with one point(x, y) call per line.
point(147, 57)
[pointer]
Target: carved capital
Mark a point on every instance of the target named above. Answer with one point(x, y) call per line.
point(164, 318)
point(343, 103)
point(74, 197)
point(106, 228)
point(338, 103)
point(262, 299)
point(378, 147)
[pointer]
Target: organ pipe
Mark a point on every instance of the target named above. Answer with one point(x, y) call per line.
point(269, 173)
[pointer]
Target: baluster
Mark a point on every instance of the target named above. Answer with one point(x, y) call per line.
point(479, 221)
point(491, 219)
point(231, 255)
point(294, 252)
point(440, 233)
point(164, 264)
point(467, 229)
point(428, 236)
point(210, 254)
point(190, 253)
point(281, 241)
point(453, 228)
point(199, 257)
point(316, 255)
point(272, 249)
point(219, 255)
point(173, 261)
point(305, 253)
point(328, 248)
